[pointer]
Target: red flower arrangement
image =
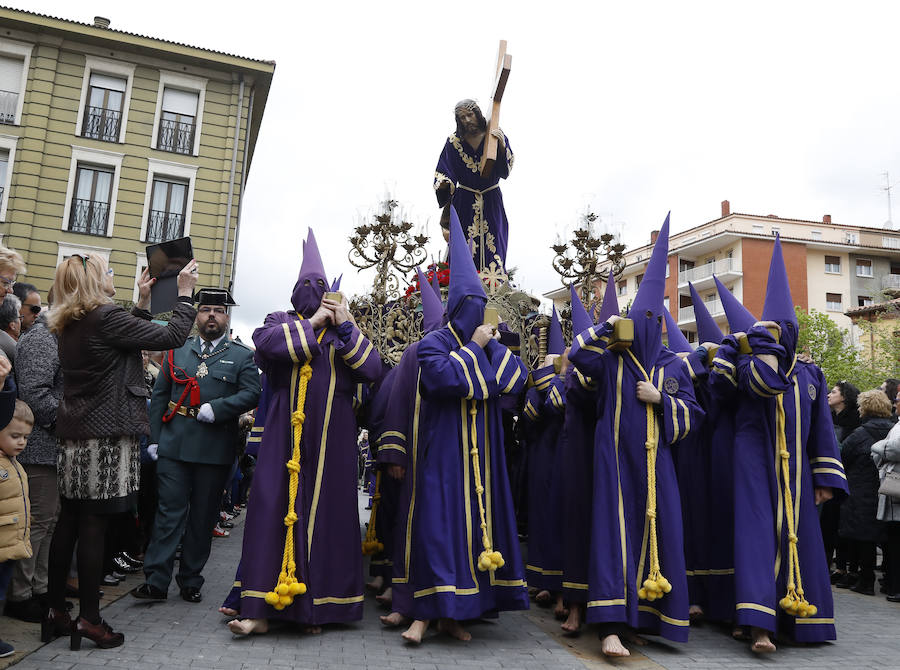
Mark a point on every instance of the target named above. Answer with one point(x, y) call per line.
point(443, 275)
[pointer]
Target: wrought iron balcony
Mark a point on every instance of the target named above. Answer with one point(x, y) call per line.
point(101, 124)
point(89, 216)
point(162, 226)
point(9, 101)
point(176, 136)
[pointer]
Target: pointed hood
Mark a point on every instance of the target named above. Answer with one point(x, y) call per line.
point(610, 305)
point(677, 341)
point(336, 284)
point(779, 306)
point(647, 309)
point(555, 342)
point(739, 317)
point(466, 298)
point(312, 281)
point(580, 319)
point(707, 328)
point(436, 284)
point(432, 309)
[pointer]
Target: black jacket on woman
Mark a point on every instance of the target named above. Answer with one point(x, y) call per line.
point(845, 422)
point(858, 511)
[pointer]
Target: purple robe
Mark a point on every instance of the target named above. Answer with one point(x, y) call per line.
point(381, 563)
point(326, 536)
point(478, 201)
point(620, 553)
point(577, 470)
point(439, 538)
point(760, 522)
point(544, 412)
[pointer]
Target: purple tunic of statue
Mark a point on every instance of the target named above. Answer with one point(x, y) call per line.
point(544, 411)
point(326, 537)
point(478, 201)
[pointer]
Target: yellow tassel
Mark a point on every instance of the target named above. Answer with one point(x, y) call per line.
point(489, 559)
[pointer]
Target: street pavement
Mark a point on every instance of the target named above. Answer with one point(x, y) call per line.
point(175, 634)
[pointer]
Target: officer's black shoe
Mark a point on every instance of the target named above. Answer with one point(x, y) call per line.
point(148, 592)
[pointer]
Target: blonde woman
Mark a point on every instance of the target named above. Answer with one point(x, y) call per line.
point(11, 265)
point(100, 418)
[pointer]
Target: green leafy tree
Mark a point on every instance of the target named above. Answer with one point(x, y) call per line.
point(831, 348)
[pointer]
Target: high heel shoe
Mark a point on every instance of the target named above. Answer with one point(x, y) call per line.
point(100, 634)
point(56, 623)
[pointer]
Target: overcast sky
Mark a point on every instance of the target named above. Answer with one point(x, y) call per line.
point(631, 109)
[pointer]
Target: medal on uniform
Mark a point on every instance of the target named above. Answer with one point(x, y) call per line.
point(202, 370)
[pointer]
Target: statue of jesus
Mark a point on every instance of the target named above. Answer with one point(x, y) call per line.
point(477, 199)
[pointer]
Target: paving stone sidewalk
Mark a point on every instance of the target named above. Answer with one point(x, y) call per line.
point(176, 634)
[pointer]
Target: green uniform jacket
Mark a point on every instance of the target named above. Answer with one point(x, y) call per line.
point(231, 387)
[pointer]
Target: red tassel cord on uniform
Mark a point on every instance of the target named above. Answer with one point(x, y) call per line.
point(191, 388)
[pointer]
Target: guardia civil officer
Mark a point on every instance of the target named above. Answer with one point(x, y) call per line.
point(201, 391)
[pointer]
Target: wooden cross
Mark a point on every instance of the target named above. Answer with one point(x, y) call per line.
point(489, 155)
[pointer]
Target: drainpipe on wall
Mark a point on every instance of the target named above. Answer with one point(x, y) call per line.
point(237, 134)
point(237, 225)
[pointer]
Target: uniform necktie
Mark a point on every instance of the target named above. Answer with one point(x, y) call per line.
point(207, 347)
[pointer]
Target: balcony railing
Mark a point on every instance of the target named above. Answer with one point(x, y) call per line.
point(708, 270)
point(176, 136)
point(9, 101)
point(101, 124)
point(162, 226)
point(714, 307)
point(890, 281)
point(89, 216)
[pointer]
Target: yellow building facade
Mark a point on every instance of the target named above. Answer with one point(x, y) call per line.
point(111, 141)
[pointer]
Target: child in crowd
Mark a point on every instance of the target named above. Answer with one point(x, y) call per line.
point(14, 511)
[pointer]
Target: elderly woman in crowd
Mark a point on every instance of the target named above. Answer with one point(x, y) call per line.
point(39, 381)
point(858, 526)
point(101, 417)
point(10, 325)
point(887, 458)
point(31, 303)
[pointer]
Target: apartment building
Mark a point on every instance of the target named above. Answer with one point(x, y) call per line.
point(110, 141)
point(831, 267)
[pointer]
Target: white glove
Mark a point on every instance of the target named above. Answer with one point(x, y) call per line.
point(205, 414)
point(151, 451)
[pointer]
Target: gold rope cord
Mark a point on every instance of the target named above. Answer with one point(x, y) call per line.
point(371, 545)
point(287, 586)
point(793, 602)
point(488, 559)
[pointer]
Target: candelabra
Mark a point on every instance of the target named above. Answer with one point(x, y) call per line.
point(387, 244)
point(581, 260)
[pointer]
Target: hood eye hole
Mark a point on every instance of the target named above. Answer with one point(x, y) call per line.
point(306, 282)
point(649, 314)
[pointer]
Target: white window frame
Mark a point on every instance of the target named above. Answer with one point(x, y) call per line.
point(622, 290)
point(13, 49)
point(758, 228)
point(169, 169)
point(9, 143)
point(829, 306)
point(833, 272)
point(890, 242)
point(867, 301)
point(817, 234)
point(67, 249)
point(109, 159)
point(113, 69)
point(871, 267)
point(185, 83)
point(666, 303)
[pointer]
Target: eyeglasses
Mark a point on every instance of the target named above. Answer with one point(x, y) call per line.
point(7, 283)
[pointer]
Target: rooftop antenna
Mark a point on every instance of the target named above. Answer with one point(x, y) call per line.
point(888, 186)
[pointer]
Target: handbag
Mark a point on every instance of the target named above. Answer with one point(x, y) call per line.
point(890, 485)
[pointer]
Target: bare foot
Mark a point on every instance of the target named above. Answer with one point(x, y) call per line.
point(376, 584)
point(576, 616)
point(559, 610)
point(415, 632)
point(312, 630)
point(761, 644)
point(385, 598)
point(636, 639)
point(740, 634)
point(393, 619)
point(249, 626)
point(453, 628)
point(543, 598)
point(612, 646)
point(227, 611)
point(695, 612)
